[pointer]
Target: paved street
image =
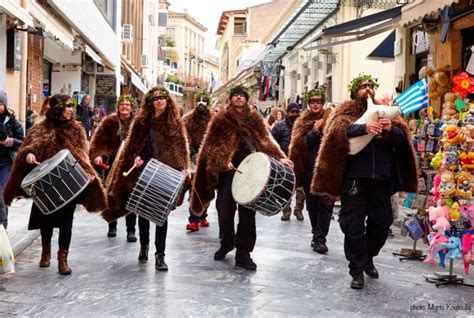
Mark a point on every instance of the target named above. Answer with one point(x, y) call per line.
point(291, 279)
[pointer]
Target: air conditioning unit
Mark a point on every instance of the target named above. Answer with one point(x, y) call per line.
point(127, 33)
point(144, 60)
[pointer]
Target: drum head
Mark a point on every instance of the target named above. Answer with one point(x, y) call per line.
point(249, 184)
point(45, 167)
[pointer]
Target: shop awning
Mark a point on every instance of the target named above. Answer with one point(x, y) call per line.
point(414, 12)
point(13, 9)
point(135, 79)
point(51, 26)
point(359, 29)
point(93, 54)
point(385, 49)
point(304, 21)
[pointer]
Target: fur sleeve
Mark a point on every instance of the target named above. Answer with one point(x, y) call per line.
point(105, 141)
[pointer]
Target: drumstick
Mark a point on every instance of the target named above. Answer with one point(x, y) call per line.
point(125, 174)
point(36, 162)
point(237, 170)
point(103, 165)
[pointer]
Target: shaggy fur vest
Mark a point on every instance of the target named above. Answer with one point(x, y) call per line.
point(172, 145)
point(196, 124)
point(106, 140)
point(222, 139)
point(299, 150)
point(334, 151)
point(44, 140)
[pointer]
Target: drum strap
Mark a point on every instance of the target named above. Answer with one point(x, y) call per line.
point(120, 131)
point(249, 144)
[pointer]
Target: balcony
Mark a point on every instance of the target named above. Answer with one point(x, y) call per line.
point(174, 89)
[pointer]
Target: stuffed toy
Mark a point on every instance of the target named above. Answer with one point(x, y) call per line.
point(454, 248)
point(446, 186)
point(466, 160)
point(467, 254)
point(438, 216)
point(435, 247)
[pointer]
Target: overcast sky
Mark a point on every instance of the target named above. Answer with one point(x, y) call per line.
point(208, 13)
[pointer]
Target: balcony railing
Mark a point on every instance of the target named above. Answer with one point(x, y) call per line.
point(174, 88)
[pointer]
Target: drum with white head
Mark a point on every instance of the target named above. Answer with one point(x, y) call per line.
point(55, 182)
point(263, 184)
point(156, 191)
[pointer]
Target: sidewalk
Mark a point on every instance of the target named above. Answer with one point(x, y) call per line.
point(18, 216)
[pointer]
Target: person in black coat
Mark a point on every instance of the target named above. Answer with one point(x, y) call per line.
point(281, 132)
point(11, 138)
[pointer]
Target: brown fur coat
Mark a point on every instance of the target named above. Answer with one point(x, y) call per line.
point(299, 151)
point(221, 141)
point(44, 140)
point(196, 124)
point(334, 151)
point(106, 140)
point(172, 147)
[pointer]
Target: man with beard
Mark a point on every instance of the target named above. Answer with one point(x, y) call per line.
point(304, 148)
point(232, 135)
point(281, 131)
point(105, 146)
point(364, 181)
point(195, 123)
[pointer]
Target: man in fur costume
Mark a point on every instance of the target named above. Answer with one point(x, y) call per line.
point(230, 137)
point(195, 123)
point(281, 132)
point(304, 148)
point(156, 132)
point(104, 146)
point(58, 131)
point(364, 181)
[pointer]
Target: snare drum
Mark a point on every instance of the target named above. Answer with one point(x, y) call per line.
point(55, 182)
point(264, 184)
point(156, 191)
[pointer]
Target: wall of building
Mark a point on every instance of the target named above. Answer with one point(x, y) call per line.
point(34, 80)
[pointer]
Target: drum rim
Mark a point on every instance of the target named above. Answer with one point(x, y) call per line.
point(64, 154)
point(65, 203)
point(267, 158)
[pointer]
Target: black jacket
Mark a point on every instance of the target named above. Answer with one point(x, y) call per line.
point(375, 161)
point(11, 128)
point(281, 132)
point(314, 141)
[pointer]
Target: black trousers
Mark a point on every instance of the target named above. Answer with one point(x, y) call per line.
point(64, 240)
point(160, 234)
point(244, 239)
point(320, 212)
point(361, 199)
point(130, 221)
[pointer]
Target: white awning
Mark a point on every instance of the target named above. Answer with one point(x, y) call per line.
point(138, 83)
point(93, 54)
point(415, 11)
point(51, 26)
point(13, 9)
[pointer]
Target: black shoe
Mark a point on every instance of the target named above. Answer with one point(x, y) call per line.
point(246, 263)
point(112, 231)
point(357, 281)
point(131, 237)
point(143, 256)
point(160, 262)
point(221, 253)
point(319, 247)
point(285, 217)
point(370, 270)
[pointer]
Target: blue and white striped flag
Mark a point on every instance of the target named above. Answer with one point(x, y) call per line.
point(414, 98)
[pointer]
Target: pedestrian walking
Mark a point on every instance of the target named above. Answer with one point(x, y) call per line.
point(196, 122)
point(281, 132)
point(231, 136)
point(58, 131)
point(157, 132)
point(104, 148)
point(306, 140)
point(365, 181)
point(11, 138)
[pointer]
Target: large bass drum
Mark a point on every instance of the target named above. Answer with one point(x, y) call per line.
point(263, 184)
point(156, 191)
point(55, 182)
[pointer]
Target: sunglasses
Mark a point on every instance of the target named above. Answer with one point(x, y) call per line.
point(316, 101)
point(157, 98)
point(294, 111)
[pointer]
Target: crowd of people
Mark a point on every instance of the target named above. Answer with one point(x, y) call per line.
point(207, 145)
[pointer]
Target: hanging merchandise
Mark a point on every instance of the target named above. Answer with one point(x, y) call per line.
point(470, 64)
point(7, 260)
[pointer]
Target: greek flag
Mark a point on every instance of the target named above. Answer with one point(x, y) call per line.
point(414, 98)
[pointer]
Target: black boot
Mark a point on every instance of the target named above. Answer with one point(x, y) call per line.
point(160, 262)
point(246, 262)
point(143, 256)
point(319, 247)
point(112, 230)
point(370, 269)
point(358, 281)
point(131, 237)
point(220, 254)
